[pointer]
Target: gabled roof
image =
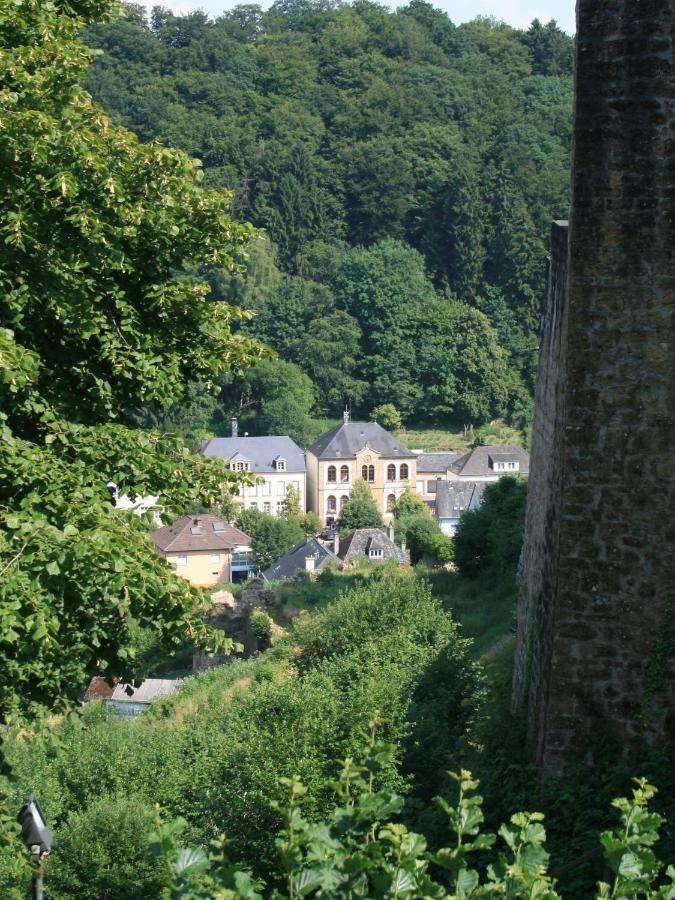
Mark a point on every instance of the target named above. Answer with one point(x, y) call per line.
point(201, 532)
point(345, 441)
point(480, 460)
point(260, 452)
point(455, 497)
point(294, 560)
point(363, 540)
point(146, 692)
point(435, 462)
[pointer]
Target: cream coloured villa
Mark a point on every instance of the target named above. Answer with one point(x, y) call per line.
point(351, 451)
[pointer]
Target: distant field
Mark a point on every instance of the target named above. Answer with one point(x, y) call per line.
point(439, 439)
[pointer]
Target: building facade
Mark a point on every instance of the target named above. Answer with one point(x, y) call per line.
point(453, 499)
point(432, 467)
point(277, 461)
point(205, 550)
point(490, 464)
point(353, 451)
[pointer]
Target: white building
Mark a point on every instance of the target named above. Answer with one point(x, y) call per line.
point(138, 504)
point(277, 461)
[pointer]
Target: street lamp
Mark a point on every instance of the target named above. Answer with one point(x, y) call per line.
point(37, 837)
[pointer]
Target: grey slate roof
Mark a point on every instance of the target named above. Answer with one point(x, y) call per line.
point(346, 440)
point(454, 497)
point(260, 452)
point(435, 462)
point(200, 532)
point(294, 560)
point(360, 542)
point(147, 691)
point(479, 461)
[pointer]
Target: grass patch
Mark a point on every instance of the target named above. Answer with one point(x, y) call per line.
point(485, 607)
point(311, 596)
point(439, 439)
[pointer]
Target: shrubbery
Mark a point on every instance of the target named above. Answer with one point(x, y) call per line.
point(101, 852)
point(214, 754)
point(491, 536)
point(420, 532)
point(362, 850)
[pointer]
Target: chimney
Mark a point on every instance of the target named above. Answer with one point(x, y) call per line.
point(390, 532)
point(235, 427)
point(336, 543)
point(309, 563)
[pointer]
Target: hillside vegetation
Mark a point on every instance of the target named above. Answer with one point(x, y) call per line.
point(215, 754)
point(405, 172)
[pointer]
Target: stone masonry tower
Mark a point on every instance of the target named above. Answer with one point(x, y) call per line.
point(595, 657)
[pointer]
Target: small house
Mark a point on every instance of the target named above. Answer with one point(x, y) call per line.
point(372, 544)
point(308, 555)
point(205, 550)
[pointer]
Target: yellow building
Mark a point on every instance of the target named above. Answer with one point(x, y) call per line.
point(205, 550)
point(356, 450)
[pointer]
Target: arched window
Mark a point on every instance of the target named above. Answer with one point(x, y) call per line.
point(364, 473)
point(331, 505)
point(404, 471)
point(391, 499)
point(371, 473)
point(331, 475)
point(344, 474)
point(343, 499)
point(391, 472)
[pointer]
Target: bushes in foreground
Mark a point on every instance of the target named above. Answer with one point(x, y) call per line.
point(214, 755)
point(361, 850)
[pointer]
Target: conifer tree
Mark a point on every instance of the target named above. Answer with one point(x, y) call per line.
point(360, 511)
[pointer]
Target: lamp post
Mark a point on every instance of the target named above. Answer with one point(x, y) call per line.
point(37, 837)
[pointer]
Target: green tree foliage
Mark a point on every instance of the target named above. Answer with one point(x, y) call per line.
point(419, 531)
point(89, 864)
point(360, 511)
point(387, 416)
point(214, 754)
point(551, 48)
point(491, 537)
point(261, 626)
point(353, 134)
point(95, 325)
point(270, 537)
point(274, 397)
point(363, 850)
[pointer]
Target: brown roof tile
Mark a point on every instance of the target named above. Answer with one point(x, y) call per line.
point(200, 532)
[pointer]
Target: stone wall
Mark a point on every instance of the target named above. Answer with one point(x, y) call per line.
point(596, 632)
point(542, 520)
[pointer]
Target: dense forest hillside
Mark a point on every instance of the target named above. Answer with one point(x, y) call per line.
point(404, 171)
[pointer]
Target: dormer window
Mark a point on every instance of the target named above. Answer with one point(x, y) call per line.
point(500, 465)
point(241, 466)
point(280, 464)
